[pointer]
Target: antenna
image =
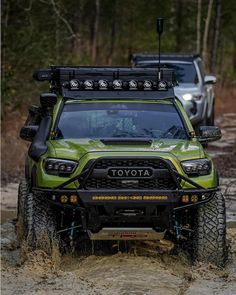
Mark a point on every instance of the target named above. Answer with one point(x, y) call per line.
point(160, 22)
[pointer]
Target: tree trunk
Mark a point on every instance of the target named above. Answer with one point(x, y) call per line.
point(216, 36)
point(206, 31)
point(199, 16)
point(113, 34)
point(95, 32)
point(179, 21)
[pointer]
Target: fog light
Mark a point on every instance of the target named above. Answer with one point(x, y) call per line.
point(185, 198)
point(64, 199)
point(194, 198)
point(73, 199)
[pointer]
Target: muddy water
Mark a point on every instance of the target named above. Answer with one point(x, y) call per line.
point(7, 215)
point(137, 272)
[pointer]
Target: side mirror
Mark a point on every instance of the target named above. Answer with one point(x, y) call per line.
point(209, 79)
point(209, 133)
point(28, 132)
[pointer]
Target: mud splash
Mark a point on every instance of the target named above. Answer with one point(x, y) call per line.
point(136, 272)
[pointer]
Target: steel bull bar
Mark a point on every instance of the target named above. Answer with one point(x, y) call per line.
point(127, 198)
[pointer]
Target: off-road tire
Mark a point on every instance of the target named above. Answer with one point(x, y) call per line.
point(23, 191)
point(40, 225)
point(209, 243)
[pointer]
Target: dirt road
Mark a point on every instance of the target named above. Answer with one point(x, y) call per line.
point(140, 271)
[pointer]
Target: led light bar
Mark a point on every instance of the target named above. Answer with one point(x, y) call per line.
point(82, 78)
point(118, 84)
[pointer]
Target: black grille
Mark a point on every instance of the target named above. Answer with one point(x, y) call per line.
point(104, 183)
point(107, 163)
point(161, 183)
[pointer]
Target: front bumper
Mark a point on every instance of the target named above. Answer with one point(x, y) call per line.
point(100, 209)
point(171, 198)
point(117, 207)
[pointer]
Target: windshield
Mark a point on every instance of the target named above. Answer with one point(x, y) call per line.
point(100, 120)
point(184, 72)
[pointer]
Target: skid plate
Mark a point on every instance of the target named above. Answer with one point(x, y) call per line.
point(126, 234)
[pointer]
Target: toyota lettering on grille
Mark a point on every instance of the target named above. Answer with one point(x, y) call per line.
point(130, 172)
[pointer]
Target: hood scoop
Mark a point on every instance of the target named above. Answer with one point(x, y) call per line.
point(126, 141)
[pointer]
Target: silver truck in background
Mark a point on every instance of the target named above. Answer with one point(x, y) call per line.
point(195, 90)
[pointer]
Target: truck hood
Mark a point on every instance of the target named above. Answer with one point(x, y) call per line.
point(187, 88)
point(75, 149)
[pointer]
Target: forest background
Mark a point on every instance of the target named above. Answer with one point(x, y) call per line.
point(40, 33)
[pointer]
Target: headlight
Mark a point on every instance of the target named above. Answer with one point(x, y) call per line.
point(59, 167)
point(197, 167)
point(189, 96)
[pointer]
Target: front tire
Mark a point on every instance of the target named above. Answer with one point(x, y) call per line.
point(23, 191)
point(209, 244)
point(40, 225)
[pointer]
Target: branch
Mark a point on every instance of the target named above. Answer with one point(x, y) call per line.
point(30, 6)
point(57, 12)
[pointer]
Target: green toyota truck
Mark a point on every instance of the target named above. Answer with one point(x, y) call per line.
point(113, 156)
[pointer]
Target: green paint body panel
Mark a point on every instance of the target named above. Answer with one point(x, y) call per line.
point(83, 150)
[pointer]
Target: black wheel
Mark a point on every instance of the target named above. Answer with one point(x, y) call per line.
point(23, 191)
point(209, 244)
point(40, 225)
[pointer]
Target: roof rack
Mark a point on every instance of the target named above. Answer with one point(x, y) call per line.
point(141, 57)
point(81, 78)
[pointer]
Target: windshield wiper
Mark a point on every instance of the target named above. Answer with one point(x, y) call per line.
point(127, 141)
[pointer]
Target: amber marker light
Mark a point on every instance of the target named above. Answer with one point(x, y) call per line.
point(73, 199)
point(185, 198)
point(64, 199)
point(194, 198)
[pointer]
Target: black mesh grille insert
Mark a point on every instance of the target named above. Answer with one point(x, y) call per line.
point(107, 163)
point(161, 182)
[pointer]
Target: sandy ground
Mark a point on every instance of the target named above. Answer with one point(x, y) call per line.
point(141, 270)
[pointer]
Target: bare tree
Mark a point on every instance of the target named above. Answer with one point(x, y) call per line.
point(199, 16)
point(64, 20)
point(216, 35)
point(95, 31)
point(206, 31)
point(112, 36)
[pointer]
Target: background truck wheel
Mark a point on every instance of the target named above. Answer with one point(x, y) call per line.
point(23, 191)
point(40, 225)
point(209, 244)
